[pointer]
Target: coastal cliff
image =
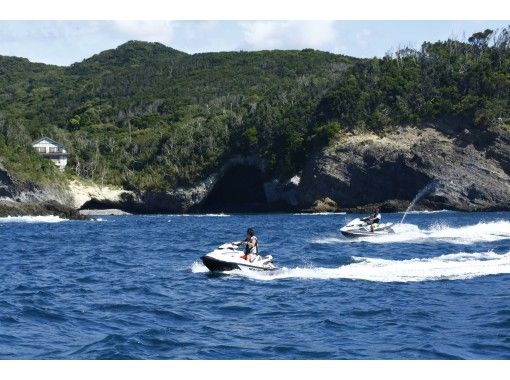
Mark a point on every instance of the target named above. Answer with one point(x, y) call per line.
point(149, 129)
point(356, 173)
point(27, 198)
point(359, 172)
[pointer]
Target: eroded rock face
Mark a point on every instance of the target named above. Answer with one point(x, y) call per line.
point(357, 173)
point(323, 205)
point(26, 198)
point(84, 195)
point(185, 199)
point(364, 171)
point(284, 193)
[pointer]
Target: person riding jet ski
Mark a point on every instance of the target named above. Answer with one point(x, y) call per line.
point(251, 249)
point(229, 256)
point(373, 220)
point(368, 226)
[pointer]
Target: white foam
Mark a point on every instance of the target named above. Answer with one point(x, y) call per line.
point(425, 212)
point(318, 213)
point(33, 219)
point(457, 266)
point(198, 267)
point(491, 231)
point(410, 233)
point(330, 240)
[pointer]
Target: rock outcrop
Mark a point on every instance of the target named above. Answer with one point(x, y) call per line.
point(9, 208)
point(285, 194)
point(184, 199)
point(26, 198)
point(356, 173)
point(360, 172)
point(323, 205)
point(89, 195)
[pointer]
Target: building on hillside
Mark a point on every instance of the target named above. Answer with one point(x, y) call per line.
point(53, 150)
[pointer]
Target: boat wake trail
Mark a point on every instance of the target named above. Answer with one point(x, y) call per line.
point(457, 266)
point(410, 233)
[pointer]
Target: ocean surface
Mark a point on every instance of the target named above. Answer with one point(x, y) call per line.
point(133, 287)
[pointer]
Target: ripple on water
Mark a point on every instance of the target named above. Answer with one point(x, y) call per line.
point(370, 312)
point(42, 314)
point(128, 289)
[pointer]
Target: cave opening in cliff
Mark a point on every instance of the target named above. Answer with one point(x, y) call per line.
point(241, 189)
point(95, 204)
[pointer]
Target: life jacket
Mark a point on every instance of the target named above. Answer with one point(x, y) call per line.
point(255, 249)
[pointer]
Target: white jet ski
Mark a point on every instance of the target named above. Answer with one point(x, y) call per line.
point(360, 228)
point(228, 257)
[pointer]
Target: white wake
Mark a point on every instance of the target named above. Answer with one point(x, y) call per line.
point(32, 219)
point(481, 232)
point(457, 266)
point(198, 267)
point(425, 212)
point(318, 213)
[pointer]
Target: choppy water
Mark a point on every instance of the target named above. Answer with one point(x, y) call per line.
point(133, 287)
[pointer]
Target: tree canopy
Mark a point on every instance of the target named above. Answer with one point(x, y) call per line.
point(146, 116)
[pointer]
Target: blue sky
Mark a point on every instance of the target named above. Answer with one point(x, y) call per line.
point(65, 42)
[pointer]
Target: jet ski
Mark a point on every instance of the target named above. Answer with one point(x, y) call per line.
point(360, 228)
point(227, 257)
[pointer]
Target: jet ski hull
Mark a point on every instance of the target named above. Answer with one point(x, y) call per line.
point(363, 233)
point(215, 265)
point(359, 228)
point(228, 257)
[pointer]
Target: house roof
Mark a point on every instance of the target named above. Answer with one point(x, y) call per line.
point(48, 139)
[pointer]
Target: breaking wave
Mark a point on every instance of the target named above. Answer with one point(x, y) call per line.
point(33, 219)
point(457, 266)
point(481, 232)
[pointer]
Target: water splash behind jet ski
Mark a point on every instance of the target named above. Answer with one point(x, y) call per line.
point(426, 191)
point(227, 257)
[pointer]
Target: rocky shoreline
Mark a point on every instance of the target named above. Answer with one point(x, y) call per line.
point(39, 209)
point(360, 172)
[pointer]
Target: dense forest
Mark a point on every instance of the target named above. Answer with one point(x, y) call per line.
point(459, 82)
point(146, 116)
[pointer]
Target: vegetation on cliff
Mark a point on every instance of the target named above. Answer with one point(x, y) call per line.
point(467, 83)
point(146, 116)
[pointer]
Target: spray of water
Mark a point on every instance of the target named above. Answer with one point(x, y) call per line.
point(422, 193)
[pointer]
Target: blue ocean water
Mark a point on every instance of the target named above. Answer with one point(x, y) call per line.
point(133, 287)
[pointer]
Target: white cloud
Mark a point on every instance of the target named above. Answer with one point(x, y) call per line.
point(288, 34)
point(152, 31)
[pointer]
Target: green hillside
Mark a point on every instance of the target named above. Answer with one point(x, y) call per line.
point(467, 83)
point(146, 116)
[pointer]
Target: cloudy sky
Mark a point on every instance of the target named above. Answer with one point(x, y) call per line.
point(65, 42)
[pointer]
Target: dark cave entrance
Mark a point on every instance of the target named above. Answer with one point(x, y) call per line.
point(95, 204)
point(241, 189)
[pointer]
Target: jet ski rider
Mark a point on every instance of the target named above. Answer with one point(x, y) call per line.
point(373, 220)
point(251, 248)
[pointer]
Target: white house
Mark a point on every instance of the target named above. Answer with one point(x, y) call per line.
point(53, 150)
